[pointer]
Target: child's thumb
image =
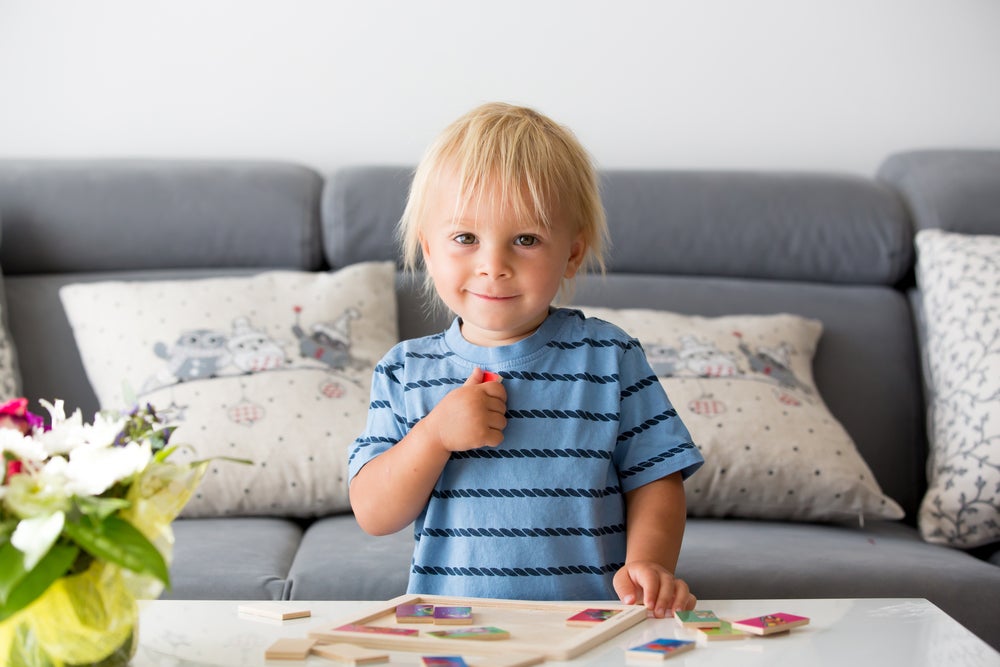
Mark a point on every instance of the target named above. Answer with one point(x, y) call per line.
point(625, 588)
point(476, 377)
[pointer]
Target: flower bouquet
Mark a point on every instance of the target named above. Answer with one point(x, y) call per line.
point(85, 513)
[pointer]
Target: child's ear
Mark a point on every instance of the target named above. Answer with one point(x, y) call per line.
point(577, 252)
point(425, 251)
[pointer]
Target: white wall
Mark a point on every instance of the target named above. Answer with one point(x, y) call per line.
point(827, 85)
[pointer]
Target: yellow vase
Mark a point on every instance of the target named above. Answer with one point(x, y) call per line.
point(91, 618)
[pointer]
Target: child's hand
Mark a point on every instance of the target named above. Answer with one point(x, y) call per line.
point(654, 586)
point(471, 416)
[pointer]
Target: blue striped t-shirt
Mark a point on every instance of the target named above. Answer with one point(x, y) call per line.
point(541, 516)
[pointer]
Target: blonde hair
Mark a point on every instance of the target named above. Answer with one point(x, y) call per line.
point(533, 164)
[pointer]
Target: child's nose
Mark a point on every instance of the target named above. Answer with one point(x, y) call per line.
point(494, 263)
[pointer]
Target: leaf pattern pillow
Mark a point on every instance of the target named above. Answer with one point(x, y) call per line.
point(959, 280)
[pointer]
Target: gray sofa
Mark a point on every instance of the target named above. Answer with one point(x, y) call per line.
point(833, 247)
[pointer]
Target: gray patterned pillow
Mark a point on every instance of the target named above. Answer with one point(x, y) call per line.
point(743, 385)
point(10, 380)
point(959, 277)
point(274, 367)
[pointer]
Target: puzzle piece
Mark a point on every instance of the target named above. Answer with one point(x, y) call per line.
point(488, 633)
point(350, 654)
point(724, 632)
point(590, 617)
point(415, 613)
point(289, 648)
point(453, 615)
point(770, 624)
point(376, 630)
point(490, 376)
point(275, 612)
point(443, 661)
point(658, 649)
point(697, 618)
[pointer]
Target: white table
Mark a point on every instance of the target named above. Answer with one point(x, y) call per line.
point(850, 632)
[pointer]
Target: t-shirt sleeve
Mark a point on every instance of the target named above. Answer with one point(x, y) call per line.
point(653, 441)
point(385, 424)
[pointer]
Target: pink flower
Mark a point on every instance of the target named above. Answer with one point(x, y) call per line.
point(13, 468)
point(14, 414)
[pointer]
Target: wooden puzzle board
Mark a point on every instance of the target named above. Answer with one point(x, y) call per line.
point(538, 630)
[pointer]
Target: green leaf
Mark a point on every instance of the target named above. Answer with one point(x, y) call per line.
point(101, 508)
point(7, 529)
point(32, 584)
point(118, 541)
point(11, 570)
point(230, 459)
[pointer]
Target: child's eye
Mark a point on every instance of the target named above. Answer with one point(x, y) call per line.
point(464, 239)
point(526, 240)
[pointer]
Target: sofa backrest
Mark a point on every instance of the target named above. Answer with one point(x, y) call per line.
point(79, 220)
point(950, 189)
point(830, 247)
point(825, 246)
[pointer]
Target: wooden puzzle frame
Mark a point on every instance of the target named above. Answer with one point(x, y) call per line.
point(538, 630)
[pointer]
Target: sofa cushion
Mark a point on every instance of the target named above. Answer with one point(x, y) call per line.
point(237, 558)
point(273, 367)
point(339, 561)
point(958, 276)
point(744, 387)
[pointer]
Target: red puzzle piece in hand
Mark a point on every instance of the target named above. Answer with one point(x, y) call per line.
point(489, 376)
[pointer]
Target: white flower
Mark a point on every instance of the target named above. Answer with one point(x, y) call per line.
point(34, 537)
point(69, 433)
point(23, 447)
point(92, 470)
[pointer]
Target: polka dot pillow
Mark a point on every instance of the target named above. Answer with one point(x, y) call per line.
point(274, 368)
point(743, 386)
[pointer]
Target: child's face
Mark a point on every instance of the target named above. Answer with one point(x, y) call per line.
point(497, 272)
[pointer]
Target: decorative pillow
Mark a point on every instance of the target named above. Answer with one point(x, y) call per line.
point(743, 386)
point(274, 368)
point(10, 380)
point(959, 278)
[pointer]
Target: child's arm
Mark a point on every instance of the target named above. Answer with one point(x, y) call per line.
point(392, 489)
point(655, 515)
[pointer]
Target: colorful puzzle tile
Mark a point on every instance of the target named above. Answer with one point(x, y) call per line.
point(444, 661)
point(289, 648)
point(490, 376)
point(453, 615)
point(590, 617)
point(770, 624)
point(376, 630)
point(415, 613)
point(488, 633)
point(350, 654)
point(697, 618)
point(659, 649)
point(724, 632)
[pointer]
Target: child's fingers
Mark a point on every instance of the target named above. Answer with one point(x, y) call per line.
point(682, 598)
point(659, 593)
point(662, 592)
point(625, 587)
